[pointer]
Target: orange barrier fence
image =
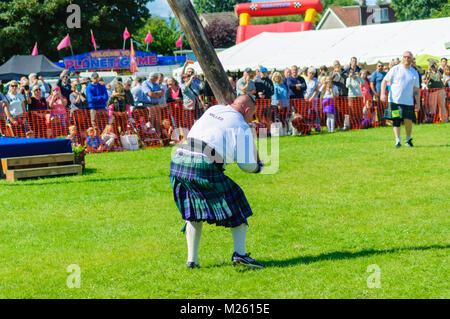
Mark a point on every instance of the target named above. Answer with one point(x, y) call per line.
point(157, 125)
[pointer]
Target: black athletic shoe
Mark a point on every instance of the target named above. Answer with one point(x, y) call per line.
point(398, 145)
point(192, 265)
point(409, 143)
point(245, 260)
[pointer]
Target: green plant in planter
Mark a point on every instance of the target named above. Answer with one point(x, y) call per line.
point(79, 152)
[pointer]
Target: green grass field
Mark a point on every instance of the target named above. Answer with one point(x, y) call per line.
point(338, 204)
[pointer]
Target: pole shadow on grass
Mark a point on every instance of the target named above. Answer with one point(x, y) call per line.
point(334, 256)
point(342, 255)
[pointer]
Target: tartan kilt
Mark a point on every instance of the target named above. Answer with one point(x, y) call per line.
point(202, 192)
point(404, 112)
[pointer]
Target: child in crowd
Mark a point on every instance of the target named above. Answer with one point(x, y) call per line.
point(73, 135)
point(108, 137)
point(119, 109)
point(93, 142)
point(329, 93)
point(166, 133)
point(147, 133)
point(368, 113)
point(29, 134)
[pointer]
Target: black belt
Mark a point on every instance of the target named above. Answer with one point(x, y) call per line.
point(198, 146)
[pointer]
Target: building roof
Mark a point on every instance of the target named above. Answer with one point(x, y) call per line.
point(350, 16)
point(228, 17)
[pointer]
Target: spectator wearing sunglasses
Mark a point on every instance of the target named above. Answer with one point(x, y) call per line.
point(38, 102)
point(16, 102)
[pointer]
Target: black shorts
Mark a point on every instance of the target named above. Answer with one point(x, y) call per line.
point(396, 111)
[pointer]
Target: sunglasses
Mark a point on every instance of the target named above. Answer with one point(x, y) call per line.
point(14, 86)
point(37, 90)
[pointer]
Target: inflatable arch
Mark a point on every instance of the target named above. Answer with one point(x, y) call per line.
point(248, 10)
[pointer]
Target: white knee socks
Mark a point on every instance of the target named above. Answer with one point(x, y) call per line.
point(193, 234)
point(330, 122)
point(239, 234)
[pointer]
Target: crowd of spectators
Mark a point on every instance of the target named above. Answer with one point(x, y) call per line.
point(279, 91)
point(350, 84)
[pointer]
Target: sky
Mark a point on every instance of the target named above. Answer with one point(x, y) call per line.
point(162, 8)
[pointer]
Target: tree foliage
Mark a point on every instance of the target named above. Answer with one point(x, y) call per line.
point(443, 12)
point(210, 6)
point(416, 9)
point(222, 34)
point(164, 33)
point(24, 22)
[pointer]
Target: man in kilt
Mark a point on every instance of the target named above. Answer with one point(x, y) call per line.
point(201, 190)
point(405, 88)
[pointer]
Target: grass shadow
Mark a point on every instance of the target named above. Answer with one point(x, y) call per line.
point(342, 255)
point(432, 146)
point(55, 181)
point(90, 171)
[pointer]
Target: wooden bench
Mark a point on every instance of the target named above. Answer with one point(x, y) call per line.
point(16, 168)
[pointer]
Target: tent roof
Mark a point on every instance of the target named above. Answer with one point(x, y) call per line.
point(370, 44)
point(23, 65)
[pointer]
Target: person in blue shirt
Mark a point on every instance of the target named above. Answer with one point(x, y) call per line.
point(152, 93)
point(280, 99)
point(138, 94)
point(375, 84)
point(97, 97)
point(296, 84)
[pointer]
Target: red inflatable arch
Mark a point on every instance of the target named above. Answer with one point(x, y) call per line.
point(248, 10)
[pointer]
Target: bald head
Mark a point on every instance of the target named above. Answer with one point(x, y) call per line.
point(407, 58)
point(245, 105)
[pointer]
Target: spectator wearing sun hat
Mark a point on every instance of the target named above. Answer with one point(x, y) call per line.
point(264, 85)
point(245, 84)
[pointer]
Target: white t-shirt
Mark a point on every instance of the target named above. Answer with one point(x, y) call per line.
point(402, 82)
point(15, 103)
point(311, 87)
point(225, 130)
point(354, 86)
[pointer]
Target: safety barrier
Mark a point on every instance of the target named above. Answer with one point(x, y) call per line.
point(157, 125)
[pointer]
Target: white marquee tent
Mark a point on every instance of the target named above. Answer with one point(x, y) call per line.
point(378, 42)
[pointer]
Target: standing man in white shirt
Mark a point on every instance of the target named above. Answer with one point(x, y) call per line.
point(404, 94)
point(201, 190)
